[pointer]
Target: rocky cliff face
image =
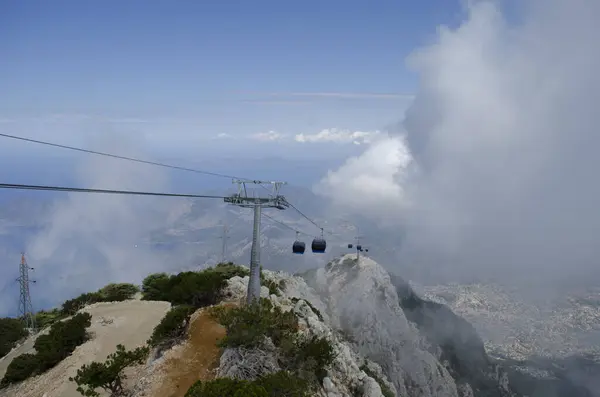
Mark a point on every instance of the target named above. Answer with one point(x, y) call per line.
point(423, 348)
point(351, 374)
point(548, 346)
point(455, 342)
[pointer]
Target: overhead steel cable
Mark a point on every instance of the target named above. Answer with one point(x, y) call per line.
point(286, 225)
point(104, 191)
point(155, 163)
point(302, 213)
point(123, 157)
point(294, 229)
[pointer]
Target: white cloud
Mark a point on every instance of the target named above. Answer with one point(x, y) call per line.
point(339, 136)
point(504, 131)
point(369, 182)
point(90, 239)
point(268, 136)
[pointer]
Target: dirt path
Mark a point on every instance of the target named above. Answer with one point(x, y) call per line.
point(129, 323)
point(196, 359)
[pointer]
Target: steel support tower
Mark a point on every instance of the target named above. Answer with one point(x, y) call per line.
point(25, 306)
point(225, 237)
point(357, 238)
point(242, 199)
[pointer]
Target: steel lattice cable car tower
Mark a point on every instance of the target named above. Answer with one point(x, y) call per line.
point(25, 306)
point(224, 237)
point(241, 199)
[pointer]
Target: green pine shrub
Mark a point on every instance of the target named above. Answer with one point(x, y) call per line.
point(198, 289)
point(172, 327)
point(108, 375)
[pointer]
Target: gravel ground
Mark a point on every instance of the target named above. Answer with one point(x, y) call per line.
point(129, 323)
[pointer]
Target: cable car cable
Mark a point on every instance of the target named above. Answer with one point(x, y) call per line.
point(105, 191)
point(286, 225)
point(123, 157)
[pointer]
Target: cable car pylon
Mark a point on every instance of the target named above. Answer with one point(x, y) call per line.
point(241, 199)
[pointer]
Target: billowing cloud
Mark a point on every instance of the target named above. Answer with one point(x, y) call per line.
point(503, 136)
point(338, 136)
point(90, 240)
point(370, 182)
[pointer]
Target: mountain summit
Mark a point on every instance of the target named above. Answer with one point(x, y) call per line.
point(422, 347)
point(346, 329)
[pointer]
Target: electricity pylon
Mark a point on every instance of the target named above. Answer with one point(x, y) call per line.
point(241, 199)
point(25, 306)
point(225, 237)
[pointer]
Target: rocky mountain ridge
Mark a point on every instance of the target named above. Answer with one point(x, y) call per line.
point(388, 340)
point(403, 336)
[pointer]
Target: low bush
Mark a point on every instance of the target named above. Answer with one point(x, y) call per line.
point(108, 375)
point(12, 330)
point(279, 384)
point(230, 269)
point(117, 292)
point(275, 288)
point(71, 306)
point(63, 338)
point(110, 293)
point(248, 325)
point(284, 384)
point(172, 327)
point(226, 387)
point(314, 309)
point(59, 343)
point(20, 368)
point(198, 289)
point(45, 318)
point(309, 356)
point(386, 391)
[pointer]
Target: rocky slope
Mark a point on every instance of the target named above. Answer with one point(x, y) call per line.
point(424, 349)
point(386, 339)
point(550, 347)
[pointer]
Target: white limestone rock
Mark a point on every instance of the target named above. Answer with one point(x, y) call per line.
point(363, 302)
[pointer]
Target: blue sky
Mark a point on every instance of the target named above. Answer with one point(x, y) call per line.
point(196, 69)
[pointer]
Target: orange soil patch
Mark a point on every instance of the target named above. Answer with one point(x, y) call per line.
point(197, 360)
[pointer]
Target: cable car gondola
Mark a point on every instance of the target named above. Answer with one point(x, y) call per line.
point(319, 244)
point(349, 245)
point(359, 247)
point(299, 246)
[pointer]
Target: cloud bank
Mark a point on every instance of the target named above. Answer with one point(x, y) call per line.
point(503, 141)
point(338, 136)
point(93, 239)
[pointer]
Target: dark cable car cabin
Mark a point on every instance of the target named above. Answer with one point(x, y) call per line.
point(298, 247)
point(319, 245)
point(366, 250)
point(359, 247)
point(349, 245)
